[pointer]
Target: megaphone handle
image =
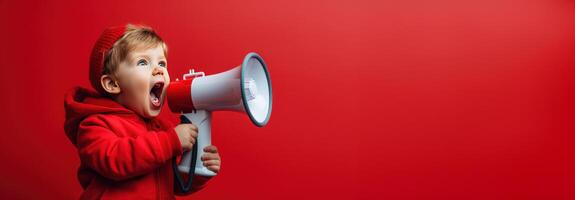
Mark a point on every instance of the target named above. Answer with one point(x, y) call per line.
point(185, 187)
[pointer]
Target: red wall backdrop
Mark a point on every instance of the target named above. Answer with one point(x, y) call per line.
point(372, 99)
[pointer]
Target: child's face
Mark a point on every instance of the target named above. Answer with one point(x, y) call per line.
point(143, 79)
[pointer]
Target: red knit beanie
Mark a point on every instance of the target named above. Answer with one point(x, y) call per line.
point(101, 48)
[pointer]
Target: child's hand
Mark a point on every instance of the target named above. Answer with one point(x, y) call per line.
point(211, 159)
point(187, 133)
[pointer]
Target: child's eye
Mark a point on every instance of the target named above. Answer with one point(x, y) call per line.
point(162, 64)
point(142, 62)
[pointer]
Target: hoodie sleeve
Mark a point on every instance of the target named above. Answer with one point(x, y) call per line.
point(120, 158)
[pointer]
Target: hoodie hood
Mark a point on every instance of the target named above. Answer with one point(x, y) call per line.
point(80, 103)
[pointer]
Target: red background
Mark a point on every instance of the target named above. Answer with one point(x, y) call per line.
point(372, 99)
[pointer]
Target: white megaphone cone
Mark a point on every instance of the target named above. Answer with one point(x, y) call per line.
point(246, 89)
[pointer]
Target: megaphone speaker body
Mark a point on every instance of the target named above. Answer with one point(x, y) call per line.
point(245, 89)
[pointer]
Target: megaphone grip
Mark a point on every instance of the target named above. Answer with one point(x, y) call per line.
point(185, 187)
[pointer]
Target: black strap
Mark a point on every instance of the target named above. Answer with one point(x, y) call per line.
point(185, 187)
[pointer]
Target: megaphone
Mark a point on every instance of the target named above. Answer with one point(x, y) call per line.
point(246, 89)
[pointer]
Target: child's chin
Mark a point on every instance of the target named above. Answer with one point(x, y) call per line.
point(151, 113)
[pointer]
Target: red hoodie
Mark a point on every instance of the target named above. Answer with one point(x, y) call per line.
point(122, 155)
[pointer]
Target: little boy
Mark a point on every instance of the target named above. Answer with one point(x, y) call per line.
point(125, 147)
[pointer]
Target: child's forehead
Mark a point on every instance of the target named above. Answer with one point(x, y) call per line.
point(146, 50)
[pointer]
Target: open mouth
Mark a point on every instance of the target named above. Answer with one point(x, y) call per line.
point(156, 94)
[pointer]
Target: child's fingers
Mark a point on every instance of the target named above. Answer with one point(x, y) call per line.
point(211, 149)
point(208, 163)
point(214, 168)
point(211, 160)
point(213, 165)
point(193, 127)
point(210, 156)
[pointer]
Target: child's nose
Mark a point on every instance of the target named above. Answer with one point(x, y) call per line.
point(158, 71)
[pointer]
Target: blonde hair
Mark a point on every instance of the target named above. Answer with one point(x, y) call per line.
point(136, 36)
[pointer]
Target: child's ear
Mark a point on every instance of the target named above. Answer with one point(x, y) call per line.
point(110, 84)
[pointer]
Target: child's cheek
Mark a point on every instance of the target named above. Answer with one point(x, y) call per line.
point(143, 85)
point(139, 87)
point(167, 77)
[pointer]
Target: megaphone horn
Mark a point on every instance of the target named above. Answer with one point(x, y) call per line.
point(246, 88)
